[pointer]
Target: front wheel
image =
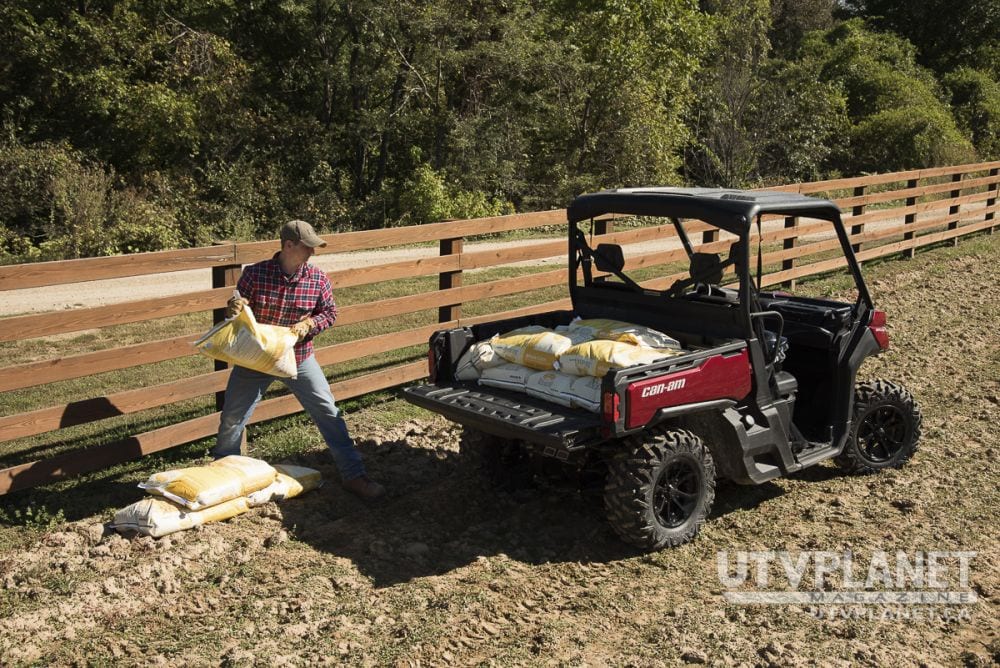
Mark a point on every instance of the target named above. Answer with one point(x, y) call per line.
point(660, 489)
point(885, 429)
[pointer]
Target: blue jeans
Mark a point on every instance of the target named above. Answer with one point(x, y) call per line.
point(245, 389)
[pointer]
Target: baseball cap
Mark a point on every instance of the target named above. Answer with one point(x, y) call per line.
point(300, 230)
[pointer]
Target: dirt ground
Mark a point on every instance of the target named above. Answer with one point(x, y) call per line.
point(452, 571)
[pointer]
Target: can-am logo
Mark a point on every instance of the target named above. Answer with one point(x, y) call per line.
point(660, 388)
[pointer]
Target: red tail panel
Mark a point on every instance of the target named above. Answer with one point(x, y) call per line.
point(718, 377)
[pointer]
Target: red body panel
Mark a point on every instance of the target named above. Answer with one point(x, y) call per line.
point(718, 377)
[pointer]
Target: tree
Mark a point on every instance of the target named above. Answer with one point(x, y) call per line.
point(947, 33)
point(897, 109)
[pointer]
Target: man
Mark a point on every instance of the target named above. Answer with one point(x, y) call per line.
point(286, 290)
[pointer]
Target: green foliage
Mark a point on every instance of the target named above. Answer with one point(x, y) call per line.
point(142, 125)
point(427, 198)
point(758, 119)
point(54, 204)
point(975, 99)
point(903, 139)
point(896, 108)
point(947, 34)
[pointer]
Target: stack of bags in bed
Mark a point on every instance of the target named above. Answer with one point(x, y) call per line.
point(564, 365)
point(189, 497)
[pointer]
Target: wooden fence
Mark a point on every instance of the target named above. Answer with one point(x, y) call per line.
point(887, 214)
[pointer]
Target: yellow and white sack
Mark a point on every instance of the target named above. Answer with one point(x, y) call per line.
point(596, 358)
point(198, 487)
point(551, 386)
point(245, 342)
point(617, 330)
point(289, 483)
point(153, 516)
point(507, 376)
point(479, 357)
point(566, 390)
point(585, 393)
point(534, 346)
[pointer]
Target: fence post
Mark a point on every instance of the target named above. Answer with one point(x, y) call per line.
point(953, 210)
point(225, 276)
point(858, 210)
point(709, 236)
point(603, 226)
point(910, 219)
point(788, 244)
point(450, 279)
point(995, 187)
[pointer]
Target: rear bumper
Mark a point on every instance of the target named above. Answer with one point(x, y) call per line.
point(509, 415)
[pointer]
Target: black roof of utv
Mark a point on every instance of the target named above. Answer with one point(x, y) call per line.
point(731, 210)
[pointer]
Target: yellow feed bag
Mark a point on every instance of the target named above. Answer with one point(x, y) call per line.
point(596, 358)
point(616, 330)
point(479, 357)
point(551, 386)
point(289, 483)
point(157, 517)
point(245, 342)
point(534, 347)
point(508, 376)
point(199, 487)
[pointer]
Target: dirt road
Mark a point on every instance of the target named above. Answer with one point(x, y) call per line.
point(451, 572)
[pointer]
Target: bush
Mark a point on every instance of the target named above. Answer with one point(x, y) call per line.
point(427, 198)
point(56, 205)
point(975, 100)
point(901, 139)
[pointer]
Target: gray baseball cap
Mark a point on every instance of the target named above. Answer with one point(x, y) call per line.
point(300, 230)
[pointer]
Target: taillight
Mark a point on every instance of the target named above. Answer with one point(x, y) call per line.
point(610, 407)
point(877, 327)
point(431, 366)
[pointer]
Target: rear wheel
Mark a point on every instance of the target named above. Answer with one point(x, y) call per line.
point(660, 489)
point(885, 429)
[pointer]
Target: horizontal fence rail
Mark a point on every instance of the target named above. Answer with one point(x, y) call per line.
point(390, 311)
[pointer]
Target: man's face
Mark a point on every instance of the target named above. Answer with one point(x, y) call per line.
point(297, 253)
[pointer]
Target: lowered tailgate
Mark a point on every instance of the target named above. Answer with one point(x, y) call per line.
point(508, 414)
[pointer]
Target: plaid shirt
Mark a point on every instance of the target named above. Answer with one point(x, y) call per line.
point(277, 299)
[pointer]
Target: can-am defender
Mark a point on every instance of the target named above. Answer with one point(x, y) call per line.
point(765, 387)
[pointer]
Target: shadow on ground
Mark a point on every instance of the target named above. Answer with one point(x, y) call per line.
point(442, 512)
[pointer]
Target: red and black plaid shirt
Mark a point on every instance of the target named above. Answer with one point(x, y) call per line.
point(277, 299)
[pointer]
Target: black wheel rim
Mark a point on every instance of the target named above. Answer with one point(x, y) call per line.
point(675, 496)
point(882, 434)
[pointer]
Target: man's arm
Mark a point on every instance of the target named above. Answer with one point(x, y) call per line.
point(325, 313)
point(246, 286)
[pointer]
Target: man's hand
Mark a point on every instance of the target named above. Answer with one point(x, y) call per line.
point(234, 306)
point(302, 327)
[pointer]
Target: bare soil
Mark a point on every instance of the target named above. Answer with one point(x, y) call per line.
point(452, 571)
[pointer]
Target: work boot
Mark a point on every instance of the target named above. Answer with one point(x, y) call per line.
point(364, 488)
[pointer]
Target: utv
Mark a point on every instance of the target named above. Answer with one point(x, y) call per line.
point(765, 385)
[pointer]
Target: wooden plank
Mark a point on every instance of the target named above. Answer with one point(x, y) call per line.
point(399, 236)
point(58, 272)
point(31, 374)
point(911, 191)
point(99, 408)
point(556, 305)
point(879, 251)
point(45, 471)
point(75, 320)
point(386, 308)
